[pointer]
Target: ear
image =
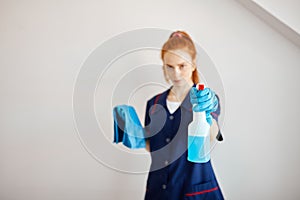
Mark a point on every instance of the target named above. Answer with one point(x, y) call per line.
point(194, 65)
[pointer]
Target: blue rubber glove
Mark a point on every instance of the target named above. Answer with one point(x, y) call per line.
point(204, 100)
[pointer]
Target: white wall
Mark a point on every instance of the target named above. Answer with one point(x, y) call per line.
point(286, 11)
point(45, 43)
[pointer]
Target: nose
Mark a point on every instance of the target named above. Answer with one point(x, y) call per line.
point(177, 71)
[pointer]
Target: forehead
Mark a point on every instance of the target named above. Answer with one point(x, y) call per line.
point(176, 57)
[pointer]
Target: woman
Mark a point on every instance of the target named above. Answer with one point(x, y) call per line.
point(167, 118)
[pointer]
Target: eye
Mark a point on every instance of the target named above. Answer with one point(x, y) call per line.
point(169, 66)
point(182, 66)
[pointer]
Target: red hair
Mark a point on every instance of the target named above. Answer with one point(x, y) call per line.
point(181, 40)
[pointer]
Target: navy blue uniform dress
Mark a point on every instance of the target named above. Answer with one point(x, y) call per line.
point(171, 175)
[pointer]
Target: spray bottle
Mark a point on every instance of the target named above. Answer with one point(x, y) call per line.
point(199, 136)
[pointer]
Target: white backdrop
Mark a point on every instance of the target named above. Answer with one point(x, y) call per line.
point(45, 43)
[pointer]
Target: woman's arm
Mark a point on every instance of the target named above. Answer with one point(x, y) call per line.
point(148, 145)
point(214, 129)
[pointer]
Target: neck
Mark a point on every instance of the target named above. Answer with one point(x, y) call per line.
point(181, 91)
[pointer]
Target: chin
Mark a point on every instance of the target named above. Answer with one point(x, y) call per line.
point(177, 83)
point(180, 83)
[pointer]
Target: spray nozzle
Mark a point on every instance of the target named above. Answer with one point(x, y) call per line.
point(200, 86)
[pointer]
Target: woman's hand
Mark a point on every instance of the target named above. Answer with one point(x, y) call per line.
point(204, 100)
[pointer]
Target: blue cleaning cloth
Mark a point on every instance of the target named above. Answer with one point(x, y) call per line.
point(127, 127)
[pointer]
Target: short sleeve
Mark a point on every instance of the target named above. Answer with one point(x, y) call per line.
point(147, 117)
point(147, 120)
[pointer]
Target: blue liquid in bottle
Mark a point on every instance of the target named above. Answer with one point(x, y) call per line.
point(198, 149)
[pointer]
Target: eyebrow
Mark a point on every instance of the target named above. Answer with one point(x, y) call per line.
point(179, 64)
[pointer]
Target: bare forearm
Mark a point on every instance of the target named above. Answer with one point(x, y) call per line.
point(148, 145)
point(214, 129)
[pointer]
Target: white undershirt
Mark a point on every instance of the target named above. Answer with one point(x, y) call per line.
point(172, 106)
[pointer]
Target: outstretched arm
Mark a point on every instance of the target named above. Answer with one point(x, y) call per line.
point(214, 129)
point(148, 145)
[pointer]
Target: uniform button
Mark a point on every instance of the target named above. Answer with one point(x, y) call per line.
point(166, 162)
point(167, 139)
point(164, 186)
point(171, 117)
